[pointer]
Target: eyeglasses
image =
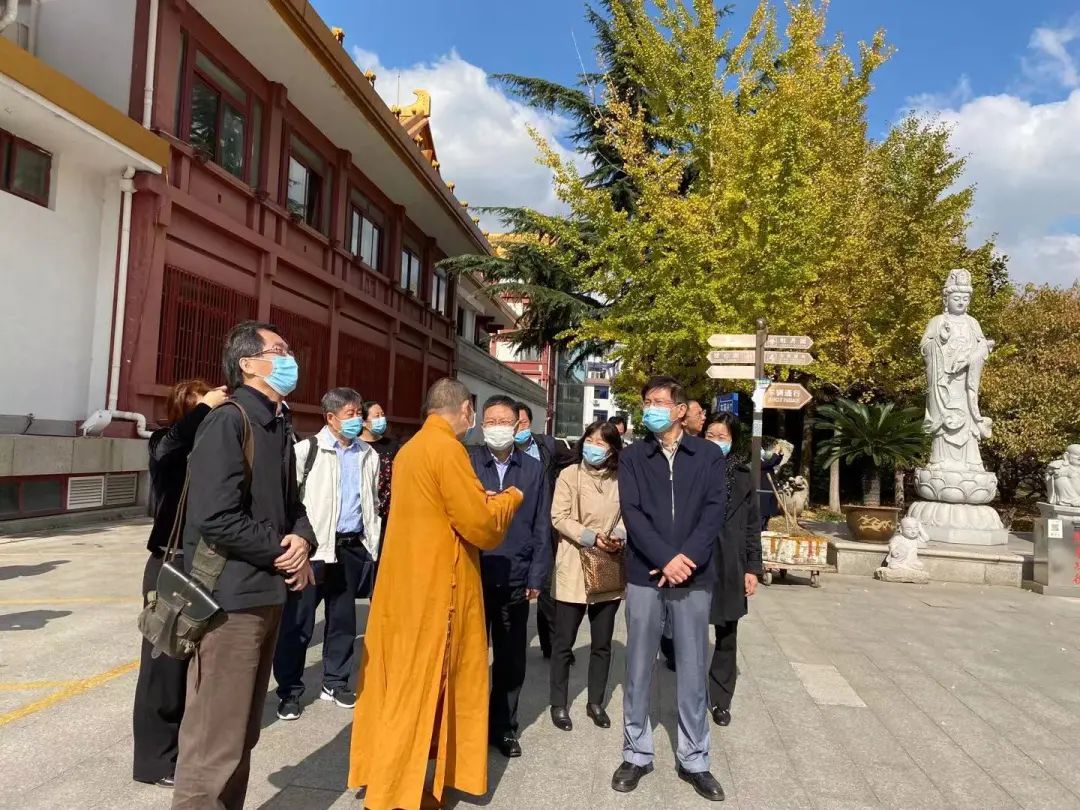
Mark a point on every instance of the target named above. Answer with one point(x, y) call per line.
point(280, 351)
point(499, 423)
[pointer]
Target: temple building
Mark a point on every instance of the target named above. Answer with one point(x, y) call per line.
point(175, 166)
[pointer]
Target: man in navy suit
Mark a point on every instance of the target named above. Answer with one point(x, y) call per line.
point(514, 573)
point(673, 494)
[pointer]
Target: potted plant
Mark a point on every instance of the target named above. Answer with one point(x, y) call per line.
point(882, 437)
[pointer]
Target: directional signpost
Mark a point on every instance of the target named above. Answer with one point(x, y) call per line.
point(744, 357)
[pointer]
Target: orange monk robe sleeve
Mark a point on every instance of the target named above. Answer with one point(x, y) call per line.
point(478, 518)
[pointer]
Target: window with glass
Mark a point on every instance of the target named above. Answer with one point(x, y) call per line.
point(308, 194)
point(365, 231)
point(439, 285)
point(25, 169)
point(224, 119)
point(602, 392)
point(410, 271)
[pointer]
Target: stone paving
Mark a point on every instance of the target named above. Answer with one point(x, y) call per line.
point(860, 694)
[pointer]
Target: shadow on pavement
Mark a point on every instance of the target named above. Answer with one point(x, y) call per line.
point(30, 619)
point(16, 571)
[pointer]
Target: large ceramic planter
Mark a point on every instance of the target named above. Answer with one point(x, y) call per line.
point(872, 524)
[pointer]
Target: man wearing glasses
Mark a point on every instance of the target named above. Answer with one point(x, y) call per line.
point(254, 518)
point(514, 573)
point(672, 493)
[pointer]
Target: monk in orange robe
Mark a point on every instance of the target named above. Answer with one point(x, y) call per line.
point(424, 677)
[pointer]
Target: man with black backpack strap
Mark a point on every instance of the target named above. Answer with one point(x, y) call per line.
point(338, 475)
point(247, 511)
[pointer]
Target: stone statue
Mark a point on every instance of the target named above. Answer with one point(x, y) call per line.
point(1063, 478)
point(903, 564)
point(955, 485)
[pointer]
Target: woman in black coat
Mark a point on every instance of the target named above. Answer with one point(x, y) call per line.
point(160, 691)
point(739, 547)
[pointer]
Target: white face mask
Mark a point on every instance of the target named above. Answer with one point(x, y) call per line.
point(498, 437)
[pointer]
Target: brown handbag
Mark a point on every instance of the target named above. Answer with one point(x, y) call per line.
point(605, 571)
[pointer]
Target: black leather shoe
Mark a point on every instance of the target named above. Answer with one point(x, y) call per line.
point(628, 775)
point(561, 718)
point(704, 783)
point(508, 746)
point(722, 717)
point(597, 715)
point(166, 782)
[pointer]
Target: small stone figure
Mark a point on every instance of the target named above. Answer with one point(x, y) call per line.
point(1063, 478)
point(903, 564)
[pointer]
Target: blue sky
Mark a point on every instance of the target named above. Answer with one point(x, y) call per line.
point(1004, 74)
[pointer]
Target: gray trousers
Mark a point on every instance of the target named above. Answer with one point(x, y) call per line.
point(648, 608)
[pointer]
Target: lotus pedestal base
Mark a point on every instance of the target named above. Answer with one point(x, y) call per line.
point(961, 523)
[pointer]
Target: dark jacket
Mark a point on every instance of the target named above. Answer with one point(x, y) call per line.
point(646, 489)
point(387, 448)
point(524, 557)
point(169, 448)
point(246, 527)
point(738, 547)
point(549, 458)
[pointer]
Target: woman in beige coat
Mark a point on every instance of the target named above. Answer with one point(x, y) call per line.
point(585, 513)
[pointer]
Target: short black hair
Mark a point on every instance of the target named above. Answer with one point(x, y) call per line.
point(724, 418)
point(618, 419)
point(242, 341)
point(366, 406)
point(669, 384)
point(521, 406)
point(500, 399)
point(337, 398)
point(610, 435)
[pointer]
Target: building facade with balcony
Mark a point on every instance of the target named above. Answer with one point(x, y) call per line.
point(206, 162)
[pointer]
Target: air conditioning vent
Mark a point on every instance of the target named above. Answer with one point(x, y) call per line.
point(120, 490)
point(86, 493)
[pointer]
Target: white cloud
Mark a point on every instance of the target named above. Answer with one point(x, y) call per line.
point(1023, 156)
point(480, 132)
point(1050, 61)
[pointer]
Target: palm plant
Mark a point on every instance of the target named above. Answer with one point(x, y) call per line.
point(881, 436)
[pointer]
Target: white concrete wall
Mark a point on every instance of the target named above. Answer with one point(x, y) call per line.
point(56, 306)
point(483, 389)
point(91, 42)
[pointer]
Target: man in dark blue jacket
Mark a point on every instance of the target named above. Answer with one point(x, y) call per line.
point(514, 573)
point(672, 493)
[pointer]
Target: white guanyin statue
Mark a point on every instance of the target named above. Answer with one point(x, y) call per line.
point(955, 486)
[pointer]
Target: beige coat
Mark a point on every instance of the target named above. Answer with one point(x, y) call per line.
point(586, 502)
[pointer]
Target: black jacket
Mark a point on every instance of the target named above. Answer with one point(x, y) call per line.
point(246, 527)
point(524, 556)
point(169, 448)
point(646, 490)
point(738, 547)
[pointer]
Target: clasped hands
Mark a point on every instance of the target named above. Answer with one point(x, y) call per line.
point(294, 562)
point(676, 572)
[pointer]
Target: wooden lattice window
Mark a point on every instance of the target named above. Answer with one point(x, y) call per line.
point(365, 367)
point(310, 343)
point(196, 316)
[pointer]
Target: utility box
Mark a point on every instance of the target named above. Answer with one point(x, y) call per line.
point(1057, 551)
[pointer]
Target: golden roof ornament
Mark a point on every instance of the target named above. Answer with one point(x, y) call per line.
point(451, 185)
point(370, 76)
point(422, 106)
point(339, 35)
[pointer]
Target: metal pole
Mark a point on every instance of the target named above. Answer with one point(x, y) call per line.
point(759, 372)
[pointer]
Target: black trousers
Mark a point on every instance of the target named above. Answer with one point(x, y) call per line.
point(568, 616)
point(507, 610)
point(159, 702)
point(723, 671)
point(545, 618)
point(336, 585)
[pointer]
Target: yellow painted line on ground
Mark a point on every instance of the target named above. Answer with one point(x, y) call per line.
point(73, 600)
point(69, 691)
point(15, 687)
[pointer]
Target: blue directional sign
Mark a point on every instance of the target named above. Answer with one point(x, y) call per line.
point(726, 403)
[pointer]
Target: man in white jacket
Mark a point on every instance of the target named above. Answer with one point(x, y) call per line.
point(338, 475)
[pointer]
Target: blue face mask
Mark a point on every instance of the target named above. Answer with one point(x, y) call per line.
point(378, 426)
point(284, 374)
point(723, 444)
point(350, 428)
point(523, 436)
point(594, 456)
point(657, 419)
